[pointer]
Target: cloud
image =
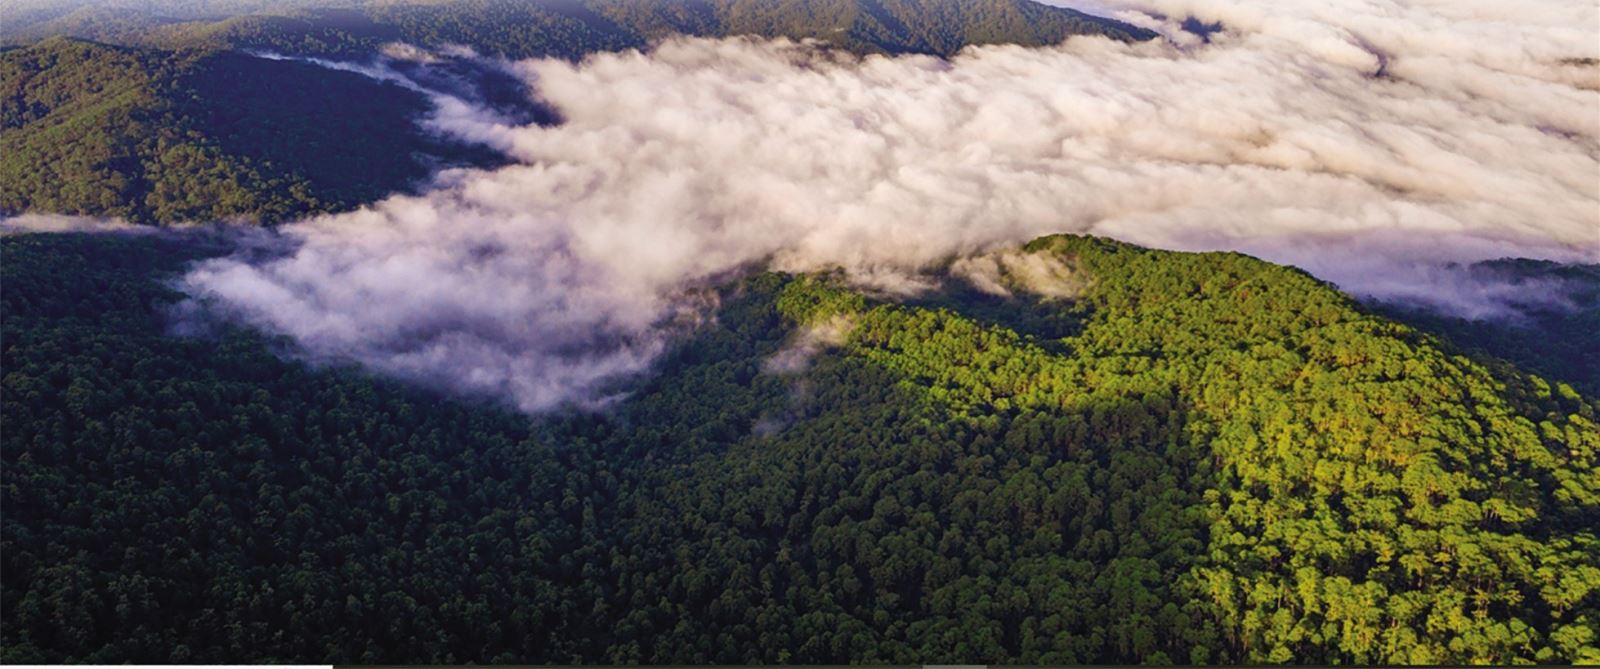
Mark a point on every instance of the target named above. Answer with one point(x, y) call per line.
point(30, 223)
point(456, 82)
point(1005, 273)
point(811, 339)
point(1370, 142)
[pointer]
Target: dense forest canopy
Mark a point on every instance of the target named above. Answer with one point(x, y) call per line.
point(1160, 457)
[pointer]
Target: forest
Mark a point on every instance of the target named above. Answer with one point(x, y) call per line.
point(1170, 458)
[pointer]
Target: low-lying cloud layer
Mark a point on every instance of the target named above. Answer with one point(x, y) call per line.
point(1368, 142)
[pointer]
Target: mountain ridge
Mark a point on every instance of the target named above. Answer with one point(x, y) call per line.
point(1219, 460)
point(573, 28)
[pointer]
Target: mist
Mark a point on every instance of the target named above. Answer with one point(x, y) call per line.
point(31, 223)
point(1374, 144)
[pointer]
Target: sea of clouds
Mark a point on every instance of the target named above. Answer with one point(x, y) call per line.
point(1370, 142)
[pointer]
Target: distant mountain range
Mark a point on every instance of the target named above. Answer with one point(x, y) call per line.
point(566, 28)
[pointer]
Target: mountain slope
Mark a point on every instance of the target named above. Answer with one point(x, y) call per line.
point(158, 136)
point(1128, 456)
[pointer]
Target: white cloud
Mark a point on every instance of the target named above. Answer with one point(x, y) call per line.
point(31, 223)
point(545, 280)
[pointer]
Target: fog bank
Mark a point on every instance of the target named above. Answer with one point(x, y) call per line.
point(1369, 142)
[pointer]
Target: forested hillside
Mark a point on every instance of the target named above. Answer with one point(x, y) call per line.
point(563, 28)
point(199, 135)
point(1138, 456)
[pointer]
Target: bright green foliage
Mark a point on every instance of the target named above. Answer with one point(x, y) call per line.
point(164, 137)
point(1206, 458)
point(1374, 494)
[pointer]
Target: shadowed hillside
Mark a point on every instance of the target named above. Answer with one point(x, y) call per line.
point(171, 136)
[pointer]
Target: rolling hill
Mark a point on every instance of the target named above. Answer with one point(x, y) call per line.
point(1138, 456)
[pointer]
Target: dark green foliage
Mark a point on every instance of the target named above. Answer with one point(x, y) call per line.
point(1220, 460)
point(199, 500)
point(60, 145)
point(161, 137)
